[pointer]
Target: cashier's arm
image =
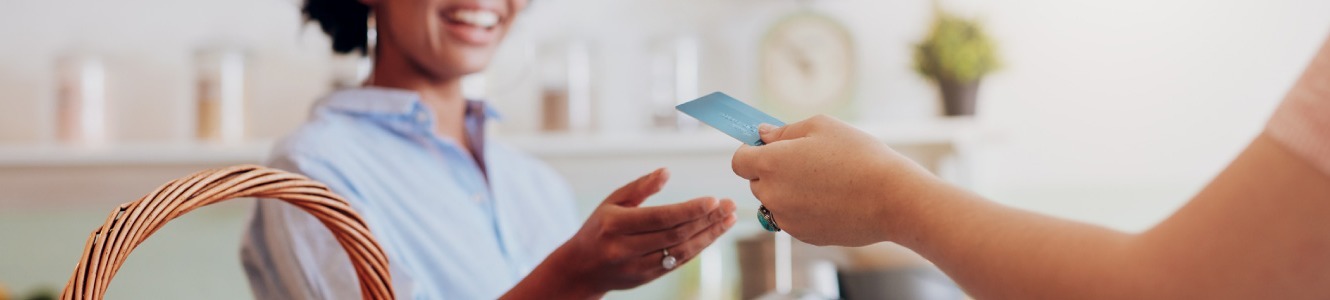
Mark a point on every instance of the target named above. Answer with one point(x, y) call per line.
point(1260, 230)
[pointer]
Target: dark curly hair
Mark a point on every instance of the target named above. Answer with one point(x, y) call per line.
point(345, 21)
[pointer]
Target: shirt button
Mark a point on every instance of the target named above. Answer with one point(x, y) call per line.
point(478, 198)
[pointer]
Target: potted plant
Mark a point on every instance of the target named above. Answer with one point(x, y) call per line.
point(955, 55)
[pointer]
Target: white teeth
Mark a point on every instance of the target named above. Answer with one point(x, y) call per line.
point(478, 18)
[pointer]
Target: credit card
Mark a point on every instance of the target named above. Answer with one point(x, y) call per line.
point(730, 116)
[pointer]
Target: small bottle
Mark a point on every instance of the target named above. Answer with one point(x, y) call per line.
point(566, 100)
point(221, 96)
point(81, 100)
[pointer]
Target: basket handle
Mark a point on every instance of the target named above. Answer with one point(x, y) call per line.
point(131, 223)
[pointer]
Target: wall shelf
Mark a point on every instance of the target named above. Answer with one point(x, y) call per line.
point(178, 153)
point(944, 132)
point(703, 141)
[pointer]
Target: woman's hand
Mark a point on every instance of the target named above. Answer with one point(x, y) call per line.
point(828, 183)
point(620, 245)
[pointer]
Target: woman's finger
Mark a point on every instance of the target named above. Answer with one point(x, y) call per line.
point(652, 263)
point(654, 241)
point(625, 221)
point(703, 239)
point(633, 193)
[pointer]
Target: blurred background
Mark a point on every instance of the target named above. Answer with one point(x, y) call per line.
point(1110, 112)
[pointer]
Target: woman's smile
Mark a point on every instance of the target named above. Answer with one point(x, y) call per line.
point(473, 24)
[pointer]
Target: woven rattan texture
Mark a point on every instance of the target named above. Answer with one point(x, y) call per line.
point(132, 223)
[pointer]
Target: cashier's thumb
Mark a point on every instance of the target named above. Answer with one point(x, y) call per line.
point(770, 133)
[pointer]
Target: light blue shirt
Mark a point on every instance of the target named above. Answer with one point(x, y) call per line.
point(452, 229)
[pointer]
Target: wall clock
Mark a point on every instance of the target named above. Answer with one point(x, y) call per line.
point(807, 66)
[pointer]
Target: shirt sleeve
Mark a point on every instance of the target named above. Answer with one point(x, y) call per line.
point(289, 254)
point(1302, 121)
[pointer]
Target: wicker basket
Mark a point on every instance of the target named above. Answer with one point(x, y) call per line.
point(132, 223)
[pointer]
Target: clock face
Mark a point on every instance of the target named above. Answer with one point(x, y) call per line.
point(807, 66)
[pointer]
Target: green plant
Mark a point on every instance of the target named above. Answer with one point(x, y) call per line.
point(956, 49)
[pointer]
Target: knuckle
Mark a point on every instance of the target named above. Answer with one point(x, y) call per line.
point(611, 224)
point(699, 208)
point(715, 232)
point(716, 216)
point(820, 121)
point(674, 236)
point(655, 221)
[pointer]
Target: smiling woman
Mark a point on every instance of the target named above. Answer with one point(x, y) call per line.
point(458, 214)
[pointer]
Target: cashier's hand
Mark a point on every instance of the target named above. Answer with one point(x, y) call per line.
point(828, 183)
point(619, 246)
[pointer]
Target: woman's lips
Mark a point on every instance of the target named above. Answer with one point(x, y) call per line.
point(472, 26)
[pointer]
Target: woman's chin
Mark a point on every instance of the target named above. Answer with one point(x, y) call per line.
point(473, 66)
point(468, 62)
point(457, 71)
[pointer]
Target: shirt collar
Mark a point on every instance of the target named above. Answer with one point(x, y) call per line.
point(386, 102)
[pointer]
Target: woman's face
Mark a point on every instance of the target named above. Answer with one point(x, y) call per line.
point(444, 38)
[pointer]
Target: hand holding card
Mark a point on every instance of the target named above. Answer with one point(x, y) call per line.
point(738, 120)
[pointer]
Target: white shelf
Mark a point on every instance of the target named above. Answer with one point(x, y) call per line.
point(702, 141)
point(56, 155)
point(710, 141)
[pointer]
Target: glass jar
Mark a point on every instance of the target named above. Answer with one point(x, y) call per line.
point(80, 100)
point(220, 96)
point(566, 100)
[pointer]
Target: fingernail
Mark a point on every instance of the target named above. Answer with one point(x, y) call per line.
point(659, 173)
point(764, 128)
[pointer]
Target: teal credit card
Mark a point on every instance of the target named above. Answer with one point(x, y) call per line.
point(730, 116)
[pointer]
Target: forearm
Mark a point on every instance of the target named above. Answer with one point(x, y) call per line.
point(552, 280)
point(1257, 231)
point(998, 252)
